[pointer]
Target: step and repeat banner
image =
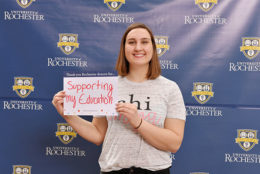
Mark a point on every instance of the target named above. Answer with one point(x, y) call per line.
point(209, 47)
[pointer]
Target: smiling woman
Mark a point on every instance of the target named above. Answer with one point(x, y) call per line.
point(150, 118)
point(138, 42)
point(138, 48)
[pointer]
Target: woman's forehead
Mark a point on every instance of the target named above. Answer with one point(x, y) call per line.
point(138, 33)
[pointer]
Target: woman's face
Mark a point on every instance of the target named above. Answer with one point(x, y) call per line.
point(138, 47)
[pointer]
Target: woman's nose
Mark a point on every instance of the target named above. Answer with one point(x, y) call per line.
point(138, 46)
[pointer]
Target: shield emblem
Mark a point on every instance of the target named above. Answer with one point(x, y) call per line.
point(21, 169)
point(68, 42)
point(206, 5)
point(161, 44)
point(23, 86)
point(114, 5)
point(250, 47)
point(202, 91)
point(65, 133)
point(24, 3)
point(246, 138)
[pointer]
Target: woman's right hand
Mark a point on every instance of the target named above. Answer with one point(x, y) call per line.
point(94, 131)
point(57, 102)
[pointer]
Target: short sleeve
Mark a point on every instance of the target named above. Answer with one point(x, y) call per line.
point(175, 106)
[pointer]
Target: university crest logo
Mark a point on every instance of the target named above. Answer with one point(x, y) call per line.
point(114, 5)
point(23, 86)
point(206, 5)
point(68, 42)
point(202, 91)
point(21, 169)
point(250, 47)
point(246, 138)
point(161, 44)
point(24, 3)
point(65, 133)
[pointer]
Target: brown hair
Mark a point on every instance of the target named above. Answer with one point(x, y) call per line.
point(122, 65)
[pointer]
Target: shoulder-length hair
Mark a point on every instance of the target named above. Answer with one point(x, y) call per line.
point(122, 65)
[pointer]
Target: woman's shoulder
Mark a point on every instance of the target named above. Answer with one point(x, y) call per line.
point(165, 81)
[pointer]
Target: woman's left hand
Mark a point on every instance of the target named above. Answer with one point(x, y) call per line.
point(130, 112)
point(167, 138)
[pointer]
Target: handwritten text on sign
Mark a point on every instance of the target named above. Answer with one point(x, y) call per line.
point(90, 95)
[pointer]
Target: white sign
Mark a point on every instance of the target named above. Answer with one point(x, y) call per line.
point(90, 95)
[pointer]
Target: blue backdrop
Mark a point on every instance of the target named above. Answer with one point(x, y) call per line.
point(209, 47)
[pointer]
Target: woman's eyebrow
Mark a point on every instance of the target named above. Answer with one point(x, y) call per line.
point(145, 38)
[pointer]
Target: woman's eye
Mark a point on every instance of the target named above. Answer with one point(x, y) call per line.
point(131, 42)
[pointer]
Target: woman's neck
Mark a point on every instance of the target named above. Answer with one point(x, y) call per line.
point(137, 74)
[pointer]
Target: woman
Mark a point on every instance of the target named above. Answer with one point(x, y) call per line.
point(151, 112)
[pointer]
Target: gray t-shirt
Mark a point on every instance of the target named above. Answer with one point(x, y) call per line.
point(123, 147)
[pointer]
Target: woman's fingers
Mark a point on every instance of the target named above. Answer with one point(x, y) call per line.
point(57, 98)
point(127, 109)
point(60, 94)
point(57, 101)
point(130, 112)
point(126, 105)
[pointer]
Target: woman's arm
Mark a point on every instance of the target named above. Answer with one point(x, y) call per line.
point(168, 138)
point(91, 131)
